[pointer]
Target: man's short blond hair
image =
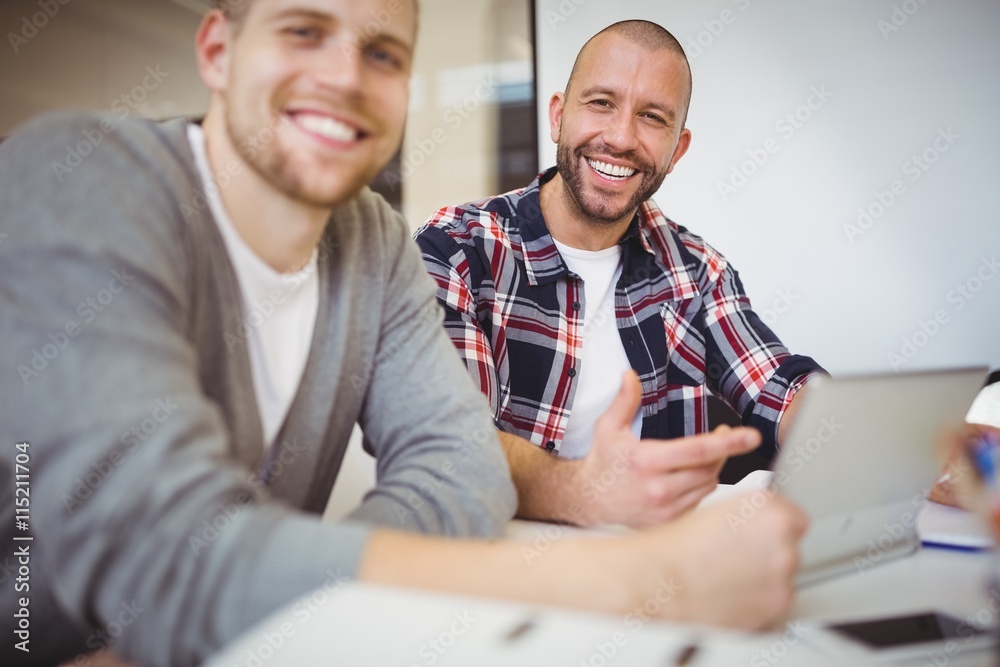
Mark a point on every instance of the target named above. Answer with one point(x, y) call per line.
point(234, 10)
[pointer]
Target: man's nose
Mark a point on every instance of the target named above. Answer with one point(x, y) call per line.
point(620, 132)
point(341, 68)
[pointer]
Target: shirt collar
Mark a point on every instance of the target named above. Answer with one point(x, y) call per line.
point(542, 260)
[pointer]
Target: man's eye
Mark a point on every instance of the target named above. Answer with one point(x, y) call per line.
point(653, 117)
point(304, 33)
point(384, 57)
point(600, 103)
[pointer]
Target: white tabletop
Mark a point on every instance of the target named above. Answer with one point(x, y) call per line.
point(361, 624)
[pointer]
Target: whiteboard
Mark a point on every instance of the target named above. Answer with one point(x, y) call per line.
point(845, 158)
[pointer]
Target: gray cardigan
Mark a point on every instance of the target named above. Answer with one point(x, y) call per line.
point(124, 366)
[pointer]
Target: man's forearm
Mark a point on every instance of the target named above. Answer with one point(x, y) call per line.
point(788, 417)
point(501, 570)
point(696, 569)
point(548, 487)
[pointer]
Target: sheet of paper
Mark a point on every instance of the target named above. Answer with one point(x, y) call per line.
point(940, 524)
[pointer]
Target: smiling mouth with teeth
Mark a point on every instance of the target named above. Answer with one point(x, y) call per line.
point(327, 127)
point(611, 171)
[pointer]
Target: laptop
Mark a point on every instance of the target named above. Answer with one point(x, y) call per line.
point(860, 459)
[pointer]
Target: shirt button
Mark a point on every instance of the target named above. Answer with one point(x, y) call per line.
point(550, 445)
point(571, 372)
point(576, 305)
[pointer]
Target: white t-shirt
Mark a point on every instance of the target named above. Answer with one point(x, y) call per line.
point(279, 309)
point(603, 360)
point(986, 408)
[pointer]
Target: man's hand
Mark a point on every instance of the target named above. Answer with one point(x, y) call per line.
point(960, 485)
point(740, 576)
point(623, 480)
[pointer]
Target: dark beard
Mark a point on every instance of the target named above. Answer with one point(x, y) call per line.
point(570, 165)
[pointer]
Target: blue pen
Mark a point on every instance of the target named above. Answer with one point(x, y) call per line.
point(985, 455)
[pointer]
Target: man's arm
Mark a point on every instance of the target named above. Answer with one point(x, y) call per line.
point(440, 467)
point(622, 480)
point(789, 414)
point(758, 377)
point(698, 568)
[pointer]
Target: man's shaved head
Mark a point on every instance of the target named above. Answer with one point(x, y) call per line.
point(646, 34)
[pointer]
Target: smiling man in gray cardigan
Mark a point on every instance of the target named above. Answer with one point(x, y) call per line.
point(193, 319)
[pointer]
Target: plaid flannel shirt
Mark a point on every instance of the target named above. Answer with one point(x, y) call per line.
point(516, 314)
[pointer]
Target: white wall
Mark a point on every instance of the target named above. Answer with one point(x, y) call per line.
point(900, 74)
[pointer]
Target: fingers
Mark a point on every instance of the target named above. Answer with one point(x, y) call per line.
point(944, 493)
point(668, 488)
point(697, 451)
point(680, 502)
point(793, 520)
point(622, 410)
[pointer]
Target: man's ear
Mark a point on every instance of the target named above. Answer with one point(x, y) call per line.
point(212, 47)
point(683, 143)
point(556, 106)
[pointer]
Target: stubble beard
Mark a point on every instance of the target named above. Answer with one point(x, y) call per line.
point(570, 164)
point(261, 151)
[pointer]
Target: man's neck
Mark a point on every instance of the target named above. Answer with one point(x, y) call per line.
point(280, 230)
point(570, 226)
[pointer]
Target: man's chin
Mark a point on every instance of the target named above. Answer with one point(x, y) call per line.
point(323, 195)
point(599, 212)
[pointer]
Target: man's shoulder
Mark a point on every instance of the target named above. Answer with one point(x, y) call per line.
point(494, 218)
point(80, 133)
point(678, 243)
point(116, 189)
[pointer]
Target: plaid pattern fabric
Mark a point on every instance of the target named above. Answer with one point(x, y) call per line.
point(516, 314)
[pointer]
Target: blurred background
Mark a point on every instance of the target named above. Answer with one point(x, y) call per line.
point(844, 159)
point(844, 154)
point(472, 86)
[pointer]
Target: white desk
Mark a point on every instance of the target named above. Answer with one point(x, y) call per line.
point(361, 624)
